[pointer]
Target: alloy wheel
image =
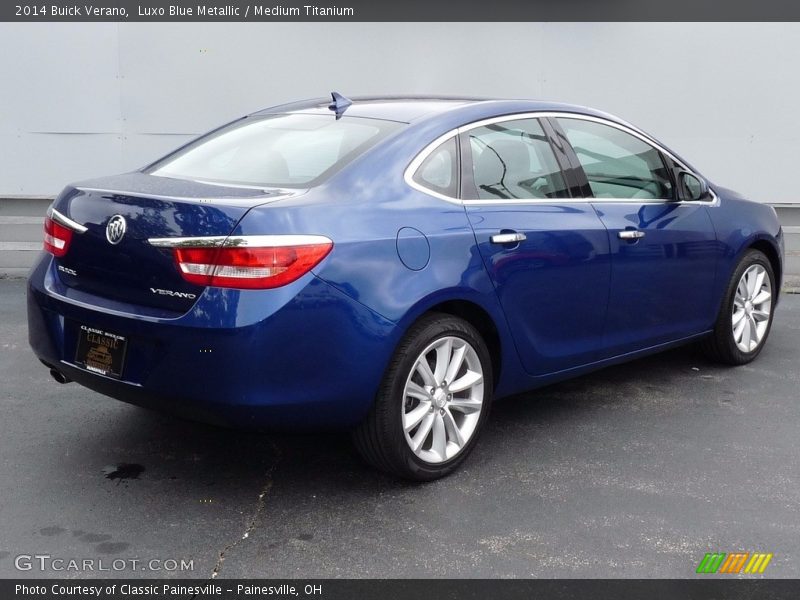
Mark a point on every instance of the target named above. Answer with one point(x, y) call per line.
point(443, 399)
point(752, 305)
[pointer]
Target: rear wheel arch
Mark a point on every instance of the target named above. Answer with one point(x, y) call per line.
point(471, 311)
point(481, 320)
point(388, 440)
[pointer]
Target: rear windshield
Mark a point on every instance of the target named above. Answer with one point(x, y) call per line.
point(293, 150)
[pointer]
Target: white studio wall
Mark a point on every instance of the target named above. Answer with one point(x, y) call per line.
point(81, 100)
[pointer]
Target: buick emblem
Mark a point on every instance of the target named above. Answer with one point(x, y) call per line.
point(115, 230)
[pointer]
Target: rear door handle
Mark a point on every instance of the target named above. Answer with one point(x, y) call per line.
point(630, 234)
point(508, 238)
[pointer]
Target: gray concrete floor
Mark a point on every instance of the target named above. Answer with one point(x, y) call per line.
point(635, 471)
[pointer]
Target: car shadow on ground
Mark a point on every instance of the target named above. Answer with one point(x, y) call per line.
point(172, 448)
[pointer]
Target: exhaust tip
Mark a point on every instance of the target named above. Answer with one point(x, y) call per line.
point(59, 376)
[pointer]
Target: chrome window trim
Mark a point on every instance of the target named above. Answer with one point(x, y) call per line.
point(417, 161)
point(239, 241)
point(411, 170)
point(66, 221)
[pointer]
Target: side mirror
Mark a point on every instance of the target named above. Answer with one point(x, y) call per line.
point(693, 188)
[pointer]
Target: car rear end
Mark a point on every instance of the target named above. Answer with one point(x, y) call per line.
point(156, 289)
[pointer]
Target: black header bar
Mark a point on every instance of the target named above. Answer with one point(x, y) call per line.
point(399, 10)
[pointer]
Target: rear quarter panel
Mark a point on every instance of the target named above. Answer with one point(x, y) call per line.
point(363, 209)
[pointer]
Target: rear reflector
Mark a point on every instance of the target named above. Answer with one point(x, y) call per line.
point(56, 238)
point(246, 266)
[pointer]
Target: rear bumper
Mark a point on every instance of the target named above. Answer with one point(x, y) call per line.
point(305, 356)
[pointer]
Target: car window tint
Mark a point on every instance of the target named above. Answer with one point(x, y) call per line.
point(438, 172)
point(617, 164)
point(514, 160)
point(290, 150)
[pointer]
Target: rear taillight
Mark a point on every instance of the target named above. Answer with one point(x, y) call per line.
point(257, 262)
point(56, 237)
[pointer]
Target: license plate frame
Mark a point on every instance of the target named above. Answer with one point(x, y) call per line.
point(101, 352)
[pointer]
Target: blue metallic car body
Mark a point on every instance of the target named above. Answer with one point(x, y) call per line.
point(313, 353)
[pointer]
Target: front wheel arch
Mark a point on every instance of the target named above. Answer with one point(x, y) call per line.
point(720, 345)
point(733, 257)
point(772, 254)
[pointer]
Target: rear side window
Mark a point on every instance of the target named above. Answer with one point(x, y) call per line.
point(618, 164)
point(293, 150)
point(439, 172)
point(514, 160)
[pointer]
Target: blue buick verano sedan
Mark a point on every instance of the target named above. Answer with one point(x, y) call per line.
point(391, 265)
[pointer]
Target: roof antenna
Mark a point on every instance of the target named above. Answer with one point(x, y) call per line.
point(339, 104)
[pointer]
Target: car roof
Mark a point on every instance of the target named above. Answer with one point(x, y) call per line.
point(407, 109)
point(404, 109)
point(435, 115)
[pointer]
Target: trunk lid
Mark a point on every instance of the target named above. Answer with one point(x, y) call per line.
point(132, 270)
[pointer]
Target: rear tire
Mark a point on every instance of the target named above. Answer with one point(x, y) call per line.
point(745, 318)
point(422, 426)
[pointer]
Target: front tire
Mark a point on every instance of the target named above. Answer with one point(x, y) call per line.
point(746, 315)
point(433, 401)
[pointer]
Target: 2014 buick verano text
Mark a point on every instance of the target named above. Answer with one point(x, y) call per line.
point(391, 265)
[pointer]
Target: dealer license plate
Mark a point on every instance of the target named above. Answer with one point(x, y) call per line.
point(101, 351)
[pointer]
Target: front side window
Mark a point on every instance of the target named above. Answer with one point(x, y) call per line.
point(514, 160)
point(292, 150)
point(617, 164)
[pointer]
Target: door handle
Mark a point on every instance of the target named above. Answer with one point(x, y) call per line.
point(630, 234)
point(508, 238)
